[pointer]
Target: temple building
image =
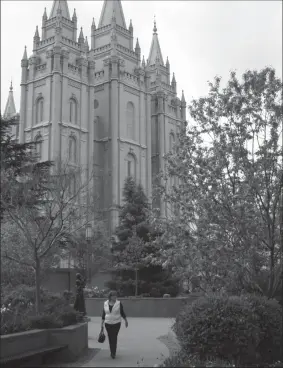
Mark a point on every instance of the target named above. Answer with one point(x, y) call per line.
point(97, 102)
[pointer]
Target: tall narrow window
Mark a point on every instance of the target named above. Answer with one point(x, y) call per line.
point(39, 110)
point(171, 141)
point(131, 165)
point(72, 149)
point(171, 148)
point(73, 111)
point(130, 120)
point(72, 186)
point(38, 146)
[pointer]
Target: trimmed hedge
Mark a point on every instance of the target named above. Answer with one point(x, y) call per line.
point(243, 330)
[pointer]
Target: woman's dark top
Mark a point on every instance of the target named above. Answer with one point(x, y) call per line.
point(123, 315)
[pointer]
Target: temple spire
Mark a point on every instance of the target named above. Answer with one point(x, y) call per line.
point(155, 50)
point(10, 109)
point(111, 7)
point(44, 17)
point(81, 36)
point(25, 57)
point(61, 5)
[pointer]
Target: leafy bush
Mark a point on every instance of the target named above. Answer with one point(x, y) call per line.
point(18, 311)
point(231, 328)
point(95, 292)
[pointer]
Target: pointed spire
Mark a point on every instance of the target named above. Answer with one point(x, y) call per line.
point(25, 57)
point(154, 28)
point(143, 62)
point(93, 26)
point(167, 63)
point(86, 44)
point(74, 17)
point(173, 79)
point(81, 36)
point(137, 45)
point(131, 26)
point(44, 17)
point(62, 6)
point(110, 7)
point(183, 98)
point(36, 34)
point(155, 50)
point(10, 109)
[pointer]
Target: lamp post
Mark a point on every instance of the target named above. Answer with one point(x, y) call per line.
point(88, 235)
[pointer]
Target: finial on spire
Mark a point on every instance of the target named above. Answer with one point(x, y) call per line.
point(11, 86)
point(131, 26)
point(93, 24)
point(183, 97)
point(74, 18)
point(86, 43)
point(25, 54)
point(44, 15)
point(173, 78)
point(137, 45)
point(81, 36)
point(36, 34)
point(154, 28)
point(143, 62)
point(167, 61)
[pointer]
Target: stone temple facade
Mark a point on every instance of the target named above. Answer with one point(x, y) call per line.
point(98, 102)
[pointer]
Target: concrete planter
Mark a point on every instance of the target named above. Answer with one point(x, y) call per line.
point(75, 337)
point(21, 342)
point(142, 307)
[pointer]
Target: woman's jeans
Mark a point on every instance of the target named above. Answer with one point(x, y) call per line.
point(112, 331)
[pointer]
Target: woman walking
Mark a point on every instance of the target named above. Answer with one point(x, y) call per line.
point(112, 313)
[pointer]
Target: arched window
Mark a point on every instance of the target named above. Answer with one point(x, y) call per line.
point(72, 186)
point(39, 110)
point(131, 166)
point(38, 146)
point(171, 148)
point(72, 149)
point(73, 111)
point(171, 141)
point(130, 120)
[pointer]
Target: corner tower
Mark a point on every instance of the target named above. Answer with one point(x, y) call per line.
point(168, 112)
point(121, 115)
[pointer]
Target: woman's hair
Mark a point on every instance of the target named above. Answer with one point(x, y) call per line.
point(112, 293)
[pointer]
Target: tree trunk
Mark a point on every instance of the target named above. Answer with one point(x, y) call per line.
point(37, 286)
point(136, 282)
point(271, 274)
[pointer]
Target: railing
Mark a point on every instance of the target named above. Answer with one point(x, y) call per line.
point(46, 42)
point(102, 48)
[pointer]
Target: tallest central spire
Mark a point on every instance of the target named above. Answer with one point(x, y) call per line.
point(111, 7)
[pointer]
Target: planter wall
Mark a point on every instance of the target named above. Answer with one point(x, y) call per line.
point(142, 307)
point(22, 342)
point(75, 336)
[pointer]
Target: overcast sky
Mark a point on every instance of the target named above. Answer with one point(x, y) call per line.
point(201, 38)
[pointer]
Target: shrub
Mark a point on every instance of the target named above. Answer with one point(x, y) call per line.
point(18, 312)
point(230, 328)
point(95, 292)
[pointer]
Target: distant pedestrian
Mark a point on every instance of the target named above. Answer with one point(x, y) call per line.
point(80, 300)
point(112, 314)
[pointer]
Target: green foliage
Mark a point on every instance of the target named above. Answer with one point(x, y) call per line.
point(228, 168)
point(231, 328)
point(133, 213)
point(18, 310)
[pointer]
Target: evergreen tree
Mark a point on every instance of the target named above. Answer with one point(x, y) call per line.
point(133, 213)
point(18, 163)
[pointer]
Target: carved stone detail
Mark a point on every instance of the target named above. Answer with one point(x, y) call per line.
point(74, 84)
point(131, 90)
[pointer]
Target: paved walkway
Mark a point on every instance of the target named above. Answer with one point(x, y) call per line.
point(138, 345)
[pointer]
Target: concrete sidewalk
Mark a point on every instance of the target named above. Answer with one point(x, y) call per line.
point(138, 345)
